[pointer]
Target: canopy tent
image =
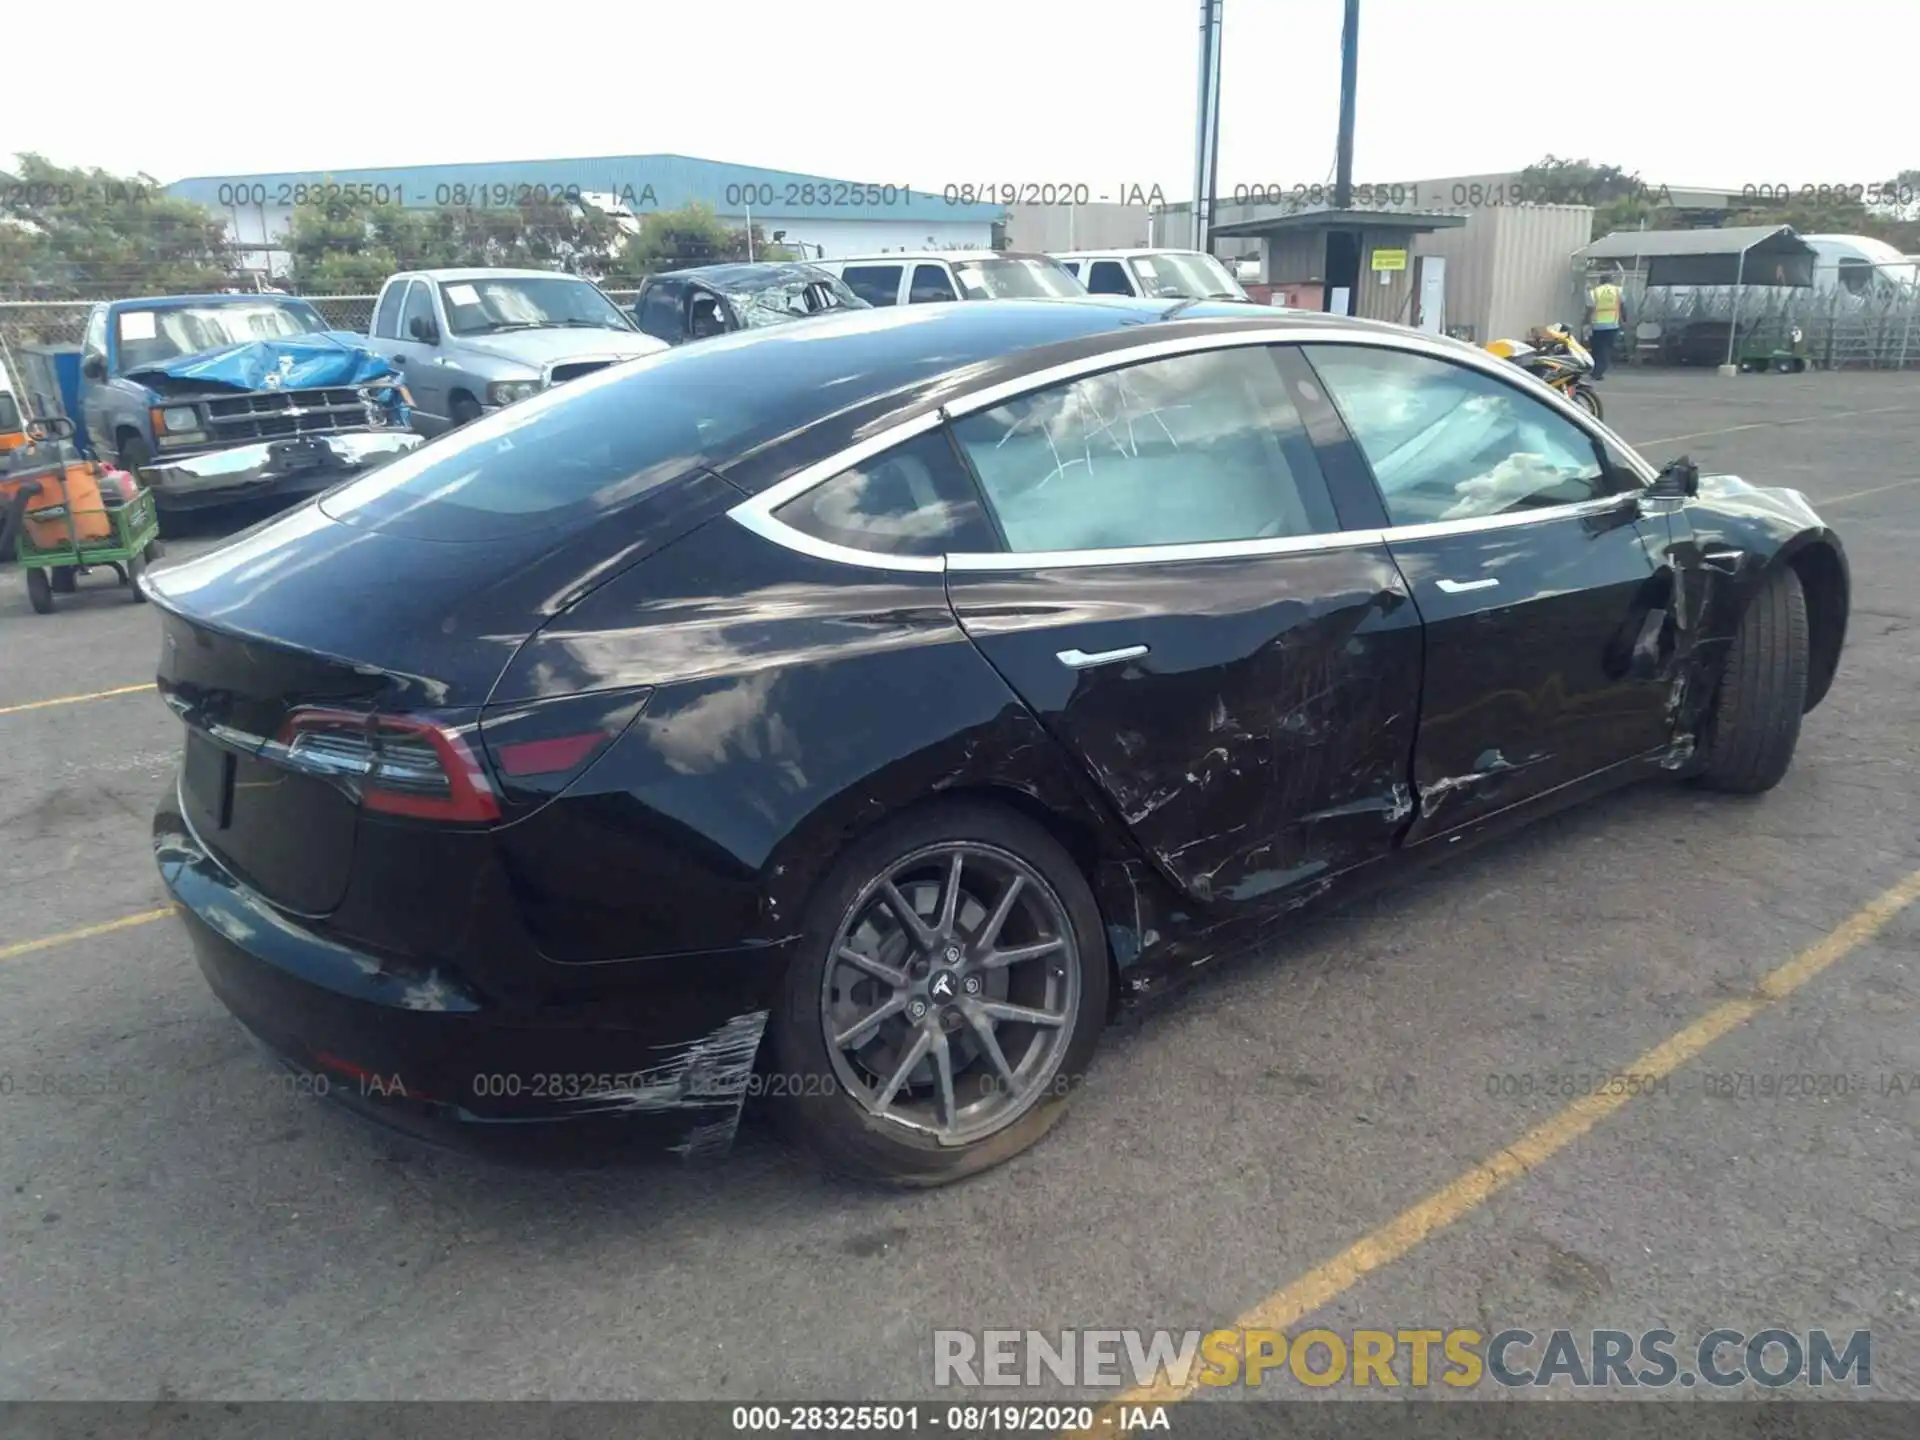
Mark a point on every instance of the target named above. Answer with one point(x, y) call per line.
point(1742, 255)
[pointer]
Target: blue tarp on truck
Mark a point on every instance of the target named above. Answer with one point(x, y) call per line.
point(288, 362)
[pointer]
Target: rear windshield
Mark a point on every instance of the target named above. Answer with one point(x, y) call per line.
point(569, 454)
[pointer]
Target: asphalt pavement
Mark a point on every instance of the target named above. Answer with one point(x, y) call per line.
point(1383, 1123)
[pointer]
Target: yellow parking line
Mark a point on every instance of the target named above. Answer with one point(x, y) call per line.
point(85, 932)
point(1288, 1305)
point(75, 699)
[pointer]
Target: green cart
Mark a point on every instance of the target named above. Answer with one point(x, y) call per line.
point(64, 518)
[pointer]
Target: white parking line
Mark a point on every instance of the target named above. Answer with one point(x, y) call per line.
point(1876, 490)
point(1770, 424)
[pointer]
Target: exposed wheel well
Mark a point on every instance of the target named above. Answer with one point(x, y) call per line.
point(1825, 586)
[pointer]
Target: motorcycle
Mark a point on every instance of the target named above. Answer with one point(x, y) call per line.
point(1551, 354)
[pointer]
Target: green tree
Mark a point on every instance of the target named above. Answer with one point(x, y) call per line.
point(692, 235)
point(345, 246)
point(1621, 200)
point(84, 234)
point(1838, 212)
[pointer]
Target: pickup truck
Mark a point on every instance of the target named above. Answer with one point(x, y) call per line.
point(468, 342)
point(214, 398)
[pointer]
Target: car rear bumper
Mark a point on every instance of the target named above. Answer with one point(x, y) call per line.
point(271, 468)
point(425, 1050)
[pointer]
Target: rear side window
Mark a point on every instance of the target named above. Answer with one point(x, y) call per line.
point(1188, 450)
point(1072, 267)
point(386, 321)
point(1108, 277)
point(915, 499)
point(875, 284)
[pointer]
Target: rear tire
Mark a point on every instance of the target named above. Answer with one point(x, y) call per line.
point(40, 592)
point(133, 569)
point(65, 579)
point(824, 1094)
point(1755, 723)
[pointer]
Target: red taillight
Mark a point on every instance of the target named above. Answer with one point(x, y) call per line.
point(399, 765)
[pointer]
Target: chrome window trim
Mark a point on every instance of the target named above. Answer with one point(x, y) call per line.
point(1164, 554)
point(1467, 525)
point(767, 528)
point(756, 512)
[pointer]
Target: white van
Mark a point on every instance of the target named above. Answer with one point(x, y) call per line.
point(1168, 274)
point(1862, 266)
point(919, 277)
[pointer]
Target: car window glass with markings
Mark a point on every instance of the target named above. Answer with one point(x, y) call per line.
point(1449, 443)
point(386, 321)
point(875, 284)
point(419, 306)
point(1187, 450)
point(915, 499)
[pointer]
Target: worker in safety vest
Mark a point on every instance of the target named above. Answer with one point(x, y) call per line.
point(1605, 309)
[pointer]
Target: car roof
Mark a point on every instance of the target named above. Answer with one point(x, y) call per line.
point(487, 272)
point(1123, 253)
point(218, 297)
point(736, 274)
point(822, 385)
point(896, 256)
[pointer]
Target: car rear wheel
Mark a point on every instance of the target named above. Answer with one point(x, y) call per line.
point(948, 993)
point(1755, 723)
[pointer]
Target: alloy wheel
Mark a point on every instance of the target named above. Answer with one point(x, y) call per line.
point(949, 998)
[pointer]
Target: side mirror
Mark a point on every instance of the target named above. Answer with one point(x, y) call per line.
point(94, 367)
point(1677, 480)
point(423, 330)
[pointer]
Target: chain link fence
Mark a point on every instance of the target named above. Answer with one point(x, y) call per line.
point(1693, 325)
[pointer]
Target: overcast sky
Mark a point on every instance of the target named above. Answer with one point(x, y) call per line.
point(931, 92)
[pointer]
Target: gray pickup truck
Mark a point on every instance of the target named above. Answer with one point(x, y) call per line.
point(470, 341)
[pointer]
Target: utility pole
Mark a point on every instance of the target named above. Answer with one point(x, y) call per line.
point(1206, 149)
point(1349, 74)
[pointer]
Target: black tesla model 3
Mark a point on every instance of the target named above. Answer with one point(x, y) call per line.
point(855, 714)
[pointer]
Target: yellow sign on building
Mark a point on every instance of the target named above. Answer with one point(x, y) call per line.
point(1389, 259)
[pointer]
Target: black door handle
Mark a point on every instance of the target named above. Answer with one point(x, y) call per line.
point(398, 359)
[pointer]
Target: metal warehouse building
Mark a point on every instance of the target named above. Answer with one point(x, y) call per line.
point(825, 217)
